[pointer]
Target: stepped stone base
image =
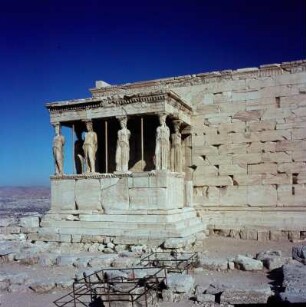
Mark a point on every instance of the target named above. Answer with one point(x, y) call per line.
point(127, 227)
point(129, 208)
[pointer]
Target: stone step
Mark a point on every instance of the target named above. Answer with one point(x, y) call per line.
point(155, 233)
point(182, 223)
point(123, 215)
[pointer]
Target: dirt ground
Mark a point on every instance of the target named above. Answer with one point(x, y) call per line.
point(213, 247)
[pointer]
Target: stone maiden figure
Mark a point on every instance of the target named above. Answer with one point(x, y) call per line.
point(58, 150)
point(123, 146)
point(90, 147)
point(162, 144)
point(176, 148)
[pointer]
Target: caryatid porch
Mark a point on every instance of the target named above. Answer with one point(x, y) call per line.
point(139, 185)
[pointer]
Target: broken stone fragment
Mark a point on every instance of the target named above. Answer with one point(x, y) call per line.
point(42, 285)
point(294, 282)
point(247, 263)
point(217, 264)
point(180, 283)
point(299, 253)
point(254, 295)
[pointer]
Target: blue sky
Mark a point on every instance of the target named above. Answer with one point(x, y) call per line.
point(55, 50)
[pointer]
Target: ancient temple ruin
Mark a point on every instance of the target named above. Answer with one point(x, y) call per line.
point(169, 158)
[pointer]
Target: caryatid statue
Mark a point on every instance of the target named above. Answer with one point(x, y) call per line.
point(58, 150)
point(176, 148)
point(90, 147)
point(123, 146)
point(162, 148)
point(79, 153)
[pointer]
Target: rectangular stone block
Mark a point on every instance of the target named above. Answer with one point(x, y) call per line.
point(262, 168)
point(148, 198)
point(204, 150)
point(88, 194)
point(301, 178)
point(232, 127)
point(140, 182)
point(276, 179)
point(291, 195)
point(288, 145)
point(216, 139)
point(263, 235)
point(206, 170)
point(243, 137)
point(262, 125)
point(232, 148)
point(63, 195)
point(29, 221)
point(247, 158)
point(247, 179)
point(200, 180)
point(233, 169)
point(293, 167)
point(219, 159)
point(273, 135)
point(278, 235)
point(299, 134)
point(114, 194)
point(206, 196)
point(234, 196)
point(262, 196)
point(299, 156)
point(276, 157)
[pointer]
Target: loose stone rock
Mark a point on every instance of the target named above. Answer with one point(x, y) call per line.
point(299, 253)
point(247, 263)
point(254, 295)
point(180, 283)
point(294, 282)
point(213, 264)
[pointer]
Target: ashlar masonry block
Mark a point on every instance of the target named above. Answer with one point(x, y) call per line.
point(88, 194)
point(114, 194)
point(213, 180)
point(293, 167)
point(299, 156)
point(262, 168)
point(276, 157)
point(62, 195)
point(234, 196)
point(232, 169)
point(292, 195)
point(262, 196)
point(247, 179)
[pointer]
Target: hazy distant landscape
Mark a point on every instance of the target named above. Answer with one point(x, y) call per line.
point(24, 200)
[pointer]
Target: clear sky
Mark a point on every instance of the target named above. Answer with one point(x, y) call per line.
point(55, 50)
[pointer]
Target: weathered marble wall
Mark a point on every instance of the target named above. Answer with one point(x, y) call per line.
point(249, 140)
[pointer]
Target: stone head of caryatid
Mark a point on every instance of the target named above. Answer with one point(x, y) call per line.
point(57, 128)
point(123, 122)
point(177, 124)
point(162, 119)
point(89, 125)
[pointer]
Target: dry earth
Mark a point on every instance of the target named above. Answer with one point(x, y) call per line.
point(23, 201)
point(213, 247)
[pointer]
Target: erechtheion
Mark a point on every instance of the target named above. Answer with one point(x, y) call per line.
point(170, 158)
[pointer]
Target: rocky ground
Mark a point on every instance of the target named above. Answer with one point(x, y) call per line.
point(228, 271)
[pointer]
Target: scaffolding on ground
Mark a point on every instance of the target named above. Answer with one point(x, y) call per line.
point(172, 261)
point(140, 285)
